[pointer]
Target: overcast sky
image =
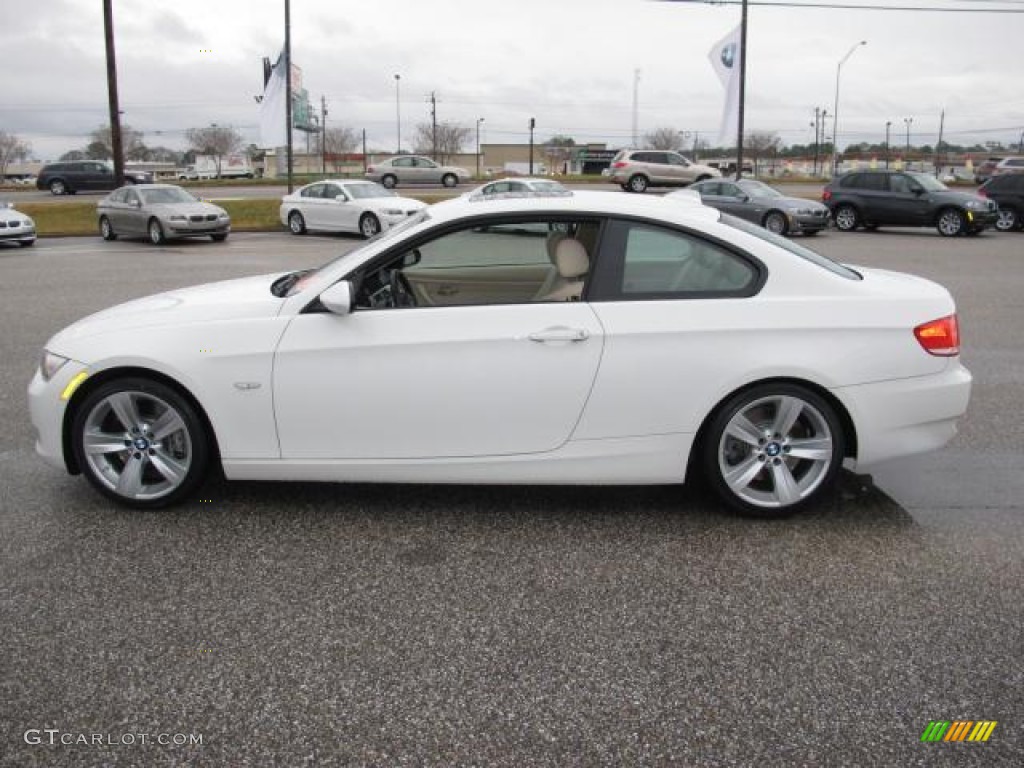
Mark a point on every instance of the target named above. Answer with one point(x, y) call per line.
point(568, 63)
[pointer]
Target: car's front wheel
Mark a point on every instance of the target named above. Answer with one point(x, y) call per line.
point(389, 181)
point(156, 233)
point(638, 183)
point(106, 230)
point(219, 238)
point(951, 223)
point(846, 218)
point(140, 442)
point(1008, 220)
point(296, 223)
point(776, 222)
point(58, 187)
point(369, 225)
point(772, 449)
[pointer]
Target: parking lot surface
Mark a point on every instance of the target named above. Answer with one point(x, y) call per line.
point(350, 625)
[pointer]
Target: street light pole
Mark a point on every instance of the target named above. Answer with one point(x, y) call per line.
point(478, 121)
point(907, 121)
point(835, 107)
point(888, 125)
point(533, 123)
point(398, 114)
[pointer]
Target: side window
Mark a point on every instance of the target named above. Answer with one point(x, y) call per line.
point(729, 190)
point(874, 182)
point(677, 159)
point(853, 181)
point(900, 184)
point(314, 191)
point(131, 197)
point(503, 262)
point(331, 191)
point(650, 262)
point(403, 162)
point(118, 196)
point(709, 188)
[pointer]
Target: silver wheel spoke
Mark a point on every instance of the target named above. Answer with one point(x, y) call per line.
point(123, 406)
point(168, 423)
point(742, 429)
point(173, 470)
point(130, 482)
point(740, 476)
point(789, 411)
point(102, 442)
point(814, 449)
point(786, 489)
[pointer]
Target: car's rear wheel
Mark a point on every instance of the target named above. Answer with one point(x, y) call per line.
point(846, 218)
point(26, 243)
point(389, 181)
point(106, 230)
point(1008, 220)
point(156, 233)
point(449, 180)
point(951, 222)
point(369, 225)
point(140, 442)
point(638, 183)
point(296, 223)
point(776, 221)
point(58, 187)
point(772, 449)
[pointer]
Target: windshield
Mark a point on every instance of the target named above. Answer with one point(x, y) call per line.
point(797, 250)
point(930, 183)
point(551, 188)
point(758, 189)
point(365, 191)
point(165, 195)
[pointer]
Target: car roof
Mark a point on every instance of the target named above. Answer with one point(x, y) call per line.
point(583, 202)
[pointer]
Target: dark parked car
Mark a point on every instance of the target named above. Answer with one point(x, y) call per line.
point(1006, 191)
point(873, 199)
point(757, 202)
point(84, 176)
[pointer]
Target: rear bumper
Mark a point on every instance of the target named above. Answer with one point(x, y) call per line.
point(906, 416)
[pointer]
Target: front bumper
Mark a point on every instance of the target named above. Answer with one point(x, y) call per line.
point(981, 219)
point(15, 231)
point(46, 410)
point(196, 228)
point(808, 222)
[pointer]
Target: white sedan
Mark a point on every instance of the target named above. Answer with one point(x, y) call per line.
point(518, 187)
point(345, 206)
point(635, 340)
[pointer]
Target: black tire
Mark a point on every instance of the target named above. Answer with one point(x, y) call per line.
point(638, 183)
point(1009, 219)
point(389, 181)
point(776, 221)
point(156, 232)
point(625, 187)
point(106, 229)
point(846, 218)
point(450, 180)
point(26, 243)
point(58, 187)
point(170, 466)
point(951, 222)
point(296, 223)
point(369, 225)
point(219, 238)
point(761, 476)
point(811, 232)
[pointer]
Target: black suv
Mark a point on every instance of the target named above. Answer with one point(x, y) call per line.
point(873, 199)
point(84, 175)
point(1007, 191)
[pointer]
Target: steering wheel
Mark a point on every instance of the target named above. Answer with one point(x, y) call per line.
point(401, 291)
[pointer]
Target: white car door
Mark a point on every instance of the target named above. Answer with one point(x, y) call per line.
point(312, 207)
point(339, 212)
point(413, 382)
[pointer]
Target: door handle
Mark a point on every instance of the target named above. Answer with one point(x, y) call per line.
point(560, 334)
point(447, 290)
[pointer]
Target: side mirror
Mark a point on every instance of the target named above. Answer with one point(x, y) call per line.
point(411, 259)
point(136, 203)
point(743, 197)
point(917, 191)
point(339, 298)
point(342, 198)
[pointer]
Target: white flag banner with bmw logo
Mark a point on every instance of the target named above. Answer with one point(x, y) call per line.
point(725, 58)
point(273, 123)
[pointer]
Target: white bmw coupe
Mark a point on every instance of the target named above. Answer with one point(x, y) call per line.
point(333, 205)
point(596, 338)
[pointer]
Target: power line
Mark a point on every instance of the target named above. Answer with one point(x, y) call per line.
point(857, 6)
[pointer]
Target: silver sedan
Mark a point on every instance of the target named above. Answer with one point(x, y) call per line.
point(413, 169)
point(160, 212)
point(755, 201)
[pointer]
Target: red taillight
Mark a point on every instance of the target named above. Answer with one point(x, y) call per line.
point(940, 337)
point(618, 165)
point(826, 195)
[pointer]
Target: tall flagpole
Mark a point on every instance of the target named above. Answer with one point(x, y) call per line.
point(743, 89)
point(288, 85)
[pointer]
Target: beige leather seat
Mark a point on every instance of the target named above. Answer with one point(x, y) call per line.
point(571, 267)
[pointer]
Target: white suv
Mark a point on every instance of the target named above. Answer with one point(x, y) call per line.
point(637, 169)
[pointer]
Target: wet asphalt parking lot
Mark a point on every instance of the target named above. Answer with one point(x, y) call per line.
point(351, 625)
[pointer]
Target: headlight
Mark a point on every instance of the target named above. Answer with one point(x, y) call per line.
point(50, 364)
point(177, 217)
point(975, 205)
point(222, 215)
point(391, 211)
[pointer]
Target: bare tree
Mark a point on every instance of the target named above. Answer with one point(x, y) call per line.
point(558, 150)
point(12, 150)
point(664, 139)
point(450, 138)
point(759, 144)
point(338, 142)
point(215, 140)
point(101, 145)
point(73, 155)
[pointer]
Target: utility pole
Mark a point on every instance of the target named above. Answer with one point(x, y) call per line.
point(323, 136)
point(817, 116)
point(433, 124)
point(908, 121)
point(888, 126)
point(288, 86)
point(938, 144)
point(636, 107)
point(743, 91)
point(364, 150)
point(533, 124)
point(116, 146)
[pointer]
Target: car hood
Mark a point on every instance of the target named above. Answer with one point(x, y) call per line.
point(247, 297)
point(184, 209)
point(792, 203)
point(954, 196)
